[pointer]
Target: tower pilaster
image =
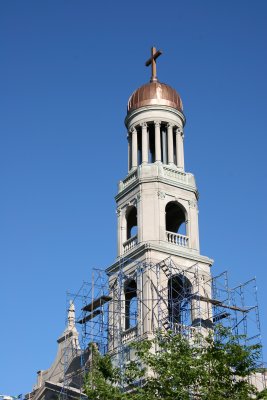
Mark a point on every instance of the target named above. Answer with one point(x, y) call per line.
point(180, 148)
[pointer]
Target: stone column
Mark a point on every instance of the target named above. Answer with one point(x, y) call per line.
point(144, 143)
point(134, 149)
point(157, 141)
point(164, 145)
point(170, 144)
point(129, 152)
point(180, 148)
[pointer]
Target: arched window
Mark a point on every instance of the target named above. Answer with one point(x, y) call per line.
point(130, 292)
point(131, 218)
point(175, 218)
point(179, 300)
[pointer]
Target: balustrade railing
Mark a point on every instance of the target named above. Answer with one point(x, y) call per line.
point(130, 243)
point(184, 330)
point(176, 238)
point(128, 180)
point(129, 335)
point(168, 172)
point(178, 175)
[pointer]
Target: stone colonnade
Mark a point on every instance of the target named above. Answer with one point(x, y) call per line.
point(166, 143)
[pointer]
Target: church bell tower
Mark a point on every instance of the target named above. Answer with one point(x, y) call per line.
point(160, 280)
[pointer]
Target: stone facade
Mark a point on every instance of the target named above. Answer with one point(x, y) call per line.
point(65, 373)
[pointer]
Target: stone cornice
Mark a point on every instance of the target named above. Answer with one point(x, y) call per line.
point(49, 386)
point(162, 247)
point(157, 178)
point(141, 110)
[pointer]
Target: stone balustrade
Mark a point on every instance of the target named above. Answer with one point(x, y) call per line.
point(176, 238)
point(177, 175)
point(180, 176)
point(129, 335)
point(164, 171)
point(128, 180)
point(185, 330)
point(130, 243)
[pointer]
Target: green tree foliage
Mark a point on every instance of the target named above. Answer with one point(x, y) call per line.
point(262, 395)
point(101, 380)
point(206, 367)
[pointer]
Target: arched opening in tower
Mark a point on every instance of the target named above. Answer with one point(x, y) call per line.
point(130, 292)
point(175, 218)
point(179, 300)
point(131, 218)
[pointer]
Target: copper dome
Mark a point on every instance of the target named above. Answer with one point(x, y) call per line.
point(155, 93)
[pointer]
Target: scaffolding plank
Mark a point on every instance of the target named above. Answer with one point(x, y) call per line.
point(207, 299)
point(97, 303)
point(234, 308)
point(220, 316)
point(219, 303)
point(89, 317)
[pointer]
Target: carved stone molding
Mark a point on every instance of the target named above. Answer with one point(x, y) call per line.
point(134, 202)
point(161, 195)
point(192, 203)
point(179, 131)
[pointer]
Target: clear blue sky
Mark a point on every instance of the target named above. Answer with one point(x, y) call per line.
point(67, 69)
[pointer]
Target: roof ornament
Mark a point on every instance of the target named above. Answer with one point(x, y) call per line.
point(71, 316)
point(152, 60)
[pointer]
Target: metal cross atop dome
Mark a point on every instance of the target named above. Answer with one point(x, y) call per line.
point(152, 60)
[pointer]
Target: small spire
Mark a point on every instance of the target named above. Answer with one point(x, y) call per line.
point(71, 315)
point(152, 60)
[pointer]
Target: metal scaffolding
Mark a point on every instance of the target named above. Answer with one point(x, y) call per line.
point(141, 298)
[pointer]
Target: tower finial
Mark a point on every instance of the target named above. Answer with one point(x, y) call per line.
point(152, 60)
point(71, 315)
